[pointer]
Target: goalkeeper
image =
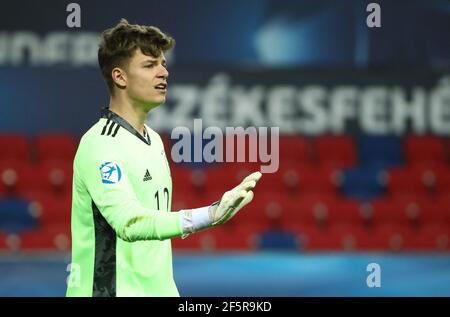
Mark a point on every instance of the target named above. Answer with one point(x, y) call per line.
point(122, 188)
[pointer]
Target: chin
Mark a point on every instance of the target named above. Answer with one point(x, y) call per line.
point(155, 103)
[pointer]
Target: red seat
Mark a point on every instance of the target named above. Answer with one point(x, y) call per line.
point(20, 178)
point(335, 150)
point(59, 177)
point(32, 180)
point(294, 148)
point(323, 210)
point(13, 148)
point(401, 210)
point(188, 200)
point(442, 186)
point(240, 237)
point(56, 147)
point(222, 177)
point(307, 210)
point(430, 237)
point(52, 211)
point(265, 211)
point(384, 237)
point(48, 238)
point(300, 179)
point(3, 244)
point(318, 180)
point(332, 238)
point(405, 181)
point(424, 149)
point(8, 177)
point(182, 179)
point(434, 175)
point(344, 211)
point(200, 241)
point(436, 211)
point(226, 237)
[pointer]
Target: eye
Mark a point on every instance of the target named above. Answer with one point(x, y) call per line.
point(149, 66)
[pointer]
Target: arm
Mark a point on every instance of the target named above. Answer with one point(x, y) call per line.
point(117, 201)
point(131, 221)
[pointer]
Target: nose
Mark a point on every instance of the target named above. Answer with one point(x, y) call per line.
point(163, 73)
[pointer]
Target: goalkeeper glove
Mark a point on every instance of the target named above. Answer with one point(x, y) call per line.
point(220, 212)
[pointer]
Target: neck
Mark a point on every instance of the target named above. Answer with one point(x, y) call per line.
point(133, 113)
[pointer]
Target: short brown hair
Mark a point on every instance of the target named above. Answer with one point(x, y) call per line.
point(118, 44)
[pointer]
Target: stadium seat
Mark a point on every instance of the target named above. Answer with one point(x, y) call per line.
point(183, 179)
point(401, 181)
point(442, 182)
point(221, 238)
point(265, 211)
point(363, 183)
point(424, 149)
point(32, 180)
point(338, 151)
point(436, 211)
point(54, 212)
point(14, 148)
point(321, 211)
point(200, 241)
point(225, 176)
point(276, 239)
point(3, 243)
point(297, 179)
point(59, 177)
point(294, 148)
point(430, 237)
point(237, 238)
point(385, 237)
point(15, 215)
point(55, 147)
point(380, 151)
point(23, 179)
point(332, 238)
point(396, 211)
point(48, 238)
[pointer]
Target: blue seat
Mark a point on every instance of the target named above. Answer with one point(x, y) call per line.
point(15, 216)
point(277, 240)
point(362, 183)
point(380, 151)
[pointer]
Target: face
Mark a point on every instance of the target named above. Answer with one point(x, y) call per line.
point(146, 79)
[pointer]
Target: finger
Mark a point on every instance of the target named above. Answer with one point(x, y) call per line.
point(240, 197)
point(244, 186)
point(253, 177)
point(247, 199)
point(247, 185)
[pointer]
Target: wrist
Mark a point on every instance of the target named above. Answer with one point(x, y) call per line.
point(194, 220)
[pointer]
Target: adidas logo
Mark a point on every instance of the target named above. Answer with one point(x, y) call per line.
point(147, 176)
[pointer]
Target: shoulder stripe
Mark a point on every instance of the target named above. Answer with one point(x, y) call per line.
point(111, 127)
point(104, 128)
point(115, 131)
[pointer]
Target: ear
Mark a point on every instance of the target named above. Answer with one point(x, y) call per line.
point(119, 77)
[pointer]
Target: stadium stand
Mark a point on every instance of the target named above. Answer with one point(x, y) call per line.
point(331, 193)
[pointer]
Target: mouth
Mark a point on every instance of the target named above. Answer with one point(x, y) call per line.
point(161, 87)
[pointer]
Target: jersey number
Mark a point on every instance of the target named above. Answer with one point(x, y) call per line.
point(166, 194)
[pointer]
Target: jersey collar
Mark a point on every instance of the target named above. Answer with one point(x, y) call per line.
point(108, 114)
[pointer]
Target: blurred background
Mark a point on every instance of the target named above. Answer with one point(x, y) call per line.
point(364, 119)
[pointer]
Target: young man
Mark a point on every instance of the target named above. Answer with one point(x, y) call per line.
point(122, 189)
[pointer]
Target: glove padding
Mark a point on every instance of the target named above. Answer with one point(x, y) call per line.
point(233, 200)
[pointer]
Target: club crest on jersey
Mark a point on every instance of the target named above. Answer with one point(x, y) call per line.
point(111, 173)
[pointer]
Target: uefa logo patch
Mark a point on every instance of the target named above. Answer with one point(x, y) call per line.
point(111, 173)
